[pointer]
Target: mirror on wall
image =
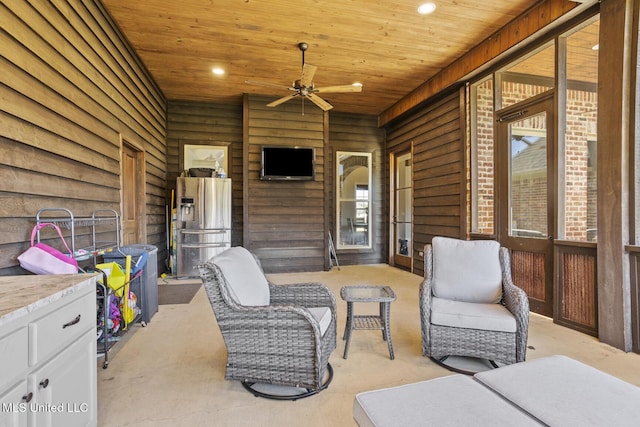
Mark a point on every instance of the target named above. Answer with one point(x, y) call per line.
point(204, 160)
point(353, 205)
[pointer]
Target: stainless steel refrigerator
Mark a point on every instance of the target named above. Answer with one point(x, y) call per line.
point(203, 225)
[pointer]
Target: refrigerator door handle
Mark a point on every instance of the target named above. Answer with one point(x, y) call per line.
point(215, 231)
point(205, 245)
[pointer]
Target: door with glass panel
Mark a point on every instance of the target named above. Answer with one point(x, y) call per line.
point(526, 199)
point(402, 209)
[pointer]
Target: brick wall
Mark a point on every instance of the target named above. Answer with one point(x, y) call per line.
point(484, 159)
point(580, 175)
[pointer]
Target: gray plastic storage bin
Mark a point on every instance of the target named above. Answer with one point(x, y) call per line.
point(148, 293)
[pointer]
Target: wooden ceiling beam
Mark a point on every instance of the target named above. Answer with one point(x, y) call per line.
point(527, 24)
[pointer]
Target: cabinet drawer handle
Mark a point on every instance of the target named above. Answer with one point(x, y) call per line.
point(44, 383)
point(71, 323)
point(27, 397)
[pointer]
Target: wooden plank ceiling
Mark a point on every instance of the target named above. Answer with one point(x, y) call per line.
point(386, 46)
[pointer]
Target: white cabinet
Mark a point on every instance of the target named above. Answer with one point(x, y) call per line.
point(14, 357)
point(64, 394)
point(47, 351)
point(13, 406)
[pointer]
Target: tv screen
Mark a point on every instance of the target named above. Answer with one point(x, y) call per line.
point(287, 163)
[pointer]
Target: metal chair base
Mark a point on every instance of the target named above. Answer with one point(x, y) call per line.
point(295, 396)
point(441, 360)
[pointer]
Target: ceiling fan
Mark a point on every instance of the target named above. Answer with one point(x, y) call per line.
point(305, 88)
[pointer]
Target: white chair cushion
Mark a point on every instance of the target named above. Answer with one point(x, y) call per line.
point(467, 270)
point(247, 284)
point(561, 391)
point(458, 314)
point(323, 316)
point(451, 401)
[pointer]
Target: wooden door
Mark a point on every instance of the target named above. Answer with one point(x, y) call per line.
point(526, 202)
point(132, 200)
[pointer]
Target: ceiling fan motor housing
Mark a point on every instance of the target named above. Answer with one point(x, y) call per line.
point(297, 85)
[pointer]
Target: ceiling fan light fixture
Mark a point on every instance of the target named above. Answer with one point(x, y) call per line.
point(426, 8)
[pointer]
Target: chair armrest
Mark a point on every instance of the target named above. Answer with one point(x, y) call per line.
point(517, 302)
point(268, 314)
point(426, 287)
point(256, 325)
point(307, 295)
point(303, 294)
point(515, 299)
point(425, 300)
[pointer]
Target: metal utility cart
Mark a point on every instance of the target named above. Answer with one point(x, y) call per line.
point(104, 224)
point(104, 235)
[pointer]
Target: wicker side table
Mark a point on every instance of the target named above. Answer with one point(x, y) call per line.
point(383, 295)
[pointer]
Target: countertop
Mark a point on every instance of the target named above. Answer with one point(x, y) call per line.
point(20, 295)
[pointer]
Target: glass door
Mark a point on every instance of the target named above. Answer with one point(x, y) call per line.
point(402, 211)
point(526, 199)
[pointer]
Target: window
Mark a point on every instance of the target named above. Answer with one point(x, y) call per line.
point(578, 191)
point(520, 80)
point(527, 77)
point(362, 203)
point(528, 172)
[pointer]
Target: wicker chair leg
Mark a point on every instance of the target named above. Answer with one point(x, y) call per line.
point(297, 394)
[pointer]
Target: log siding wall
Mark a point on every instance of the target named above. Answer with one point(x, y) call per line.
point(439, 191)
point(360, 133)
point(71, 90)
point(284, 221)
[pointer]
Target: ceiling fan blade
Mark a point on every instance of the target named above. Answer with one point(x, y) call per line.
point(254, 82)
point(282, 100)
point(338, 89)
point(308, 71)
point(319, 102)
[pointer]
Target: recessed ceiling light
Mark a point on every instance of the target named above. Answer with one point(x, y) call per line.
point(217, 71)
point(356, 84)
point(595, 47)
point(426, 8)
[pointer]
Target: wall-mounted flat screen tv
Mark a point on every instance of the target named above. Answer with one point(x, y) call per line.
point(287, 163)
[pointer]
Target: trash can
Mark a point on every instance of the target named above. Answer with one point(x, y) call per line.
point(148, 293)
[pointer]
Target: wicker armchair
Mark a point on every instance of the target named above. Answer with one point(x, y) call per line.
point(285, 339)
point(456, 319)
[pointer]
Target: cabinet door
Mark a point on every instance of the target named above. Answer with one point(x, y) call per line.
point(14, 406)
point(65, 389)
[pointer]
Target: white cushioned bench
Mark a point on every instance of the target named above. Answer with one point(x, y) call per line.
point(456, 400)
point(554, 391)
